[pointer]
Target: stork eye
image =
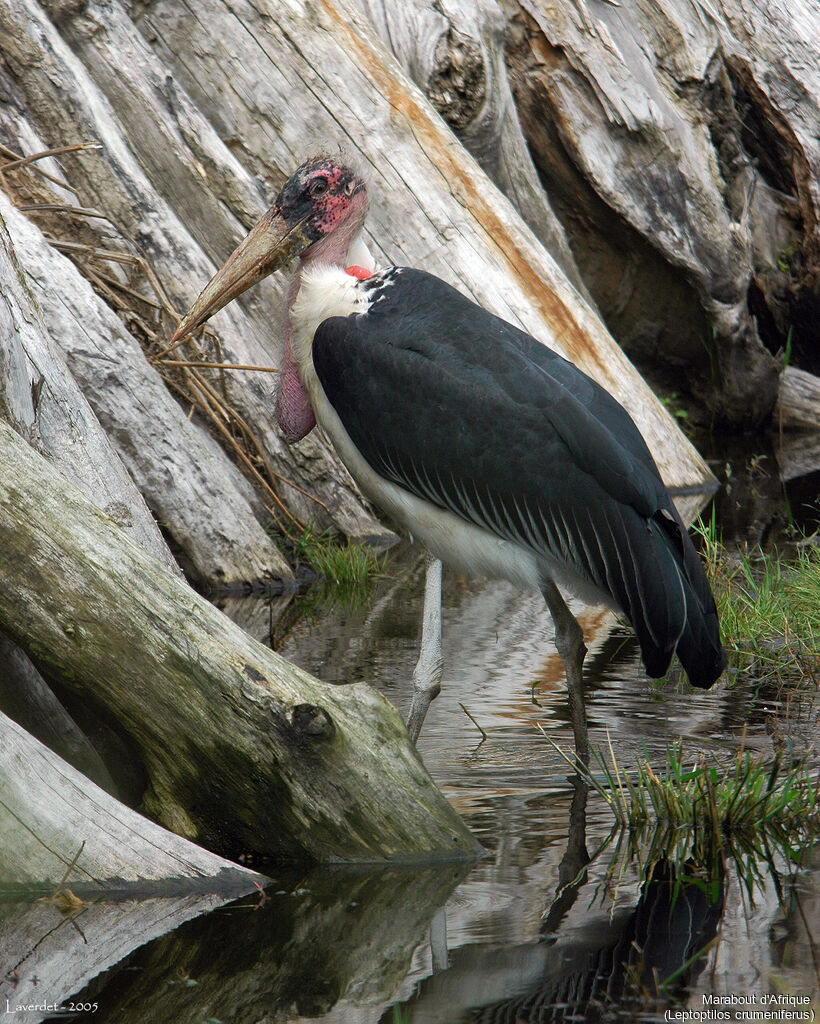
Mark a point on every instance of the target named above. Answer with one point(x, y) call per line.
point(318, 187)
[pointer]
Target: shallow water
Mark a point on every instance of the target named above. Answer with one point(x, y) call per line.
point(532, 932)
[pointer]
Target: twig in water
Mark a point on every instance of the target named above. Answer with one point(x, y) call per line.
point(475, 723)
point(64, 899)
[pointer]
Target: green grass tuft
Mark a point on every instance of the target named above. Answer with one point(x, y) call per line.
point(740, 797)
point(345, 562)
point(769, 607)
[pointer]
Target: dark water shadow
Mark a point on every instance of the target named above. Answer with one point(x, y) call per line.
point(307, 945)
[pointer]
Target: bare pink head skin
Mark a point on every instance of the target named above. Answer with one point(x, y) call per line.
point(316, 216)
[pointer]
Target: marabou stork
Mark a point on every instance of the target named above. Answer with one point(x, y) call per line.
point(496, 453)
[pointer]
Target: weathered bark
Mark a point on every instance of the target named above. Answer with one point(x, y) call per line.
point(681, 153)
point(26, 698)
point(92, 73)
point(49, 810)
point(681, 171)
point(51, 413)
point(189, 483)
point(798, 400)
point(242, 751)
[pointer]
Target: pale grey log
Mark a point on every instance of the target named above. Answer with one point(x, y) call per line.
point(239, 746)
point(168, 181)
point(798, 400)
point(40, 400)
point(190, 484)
point(434, 205)
point(48, 809)
point(454, 51)
point(26, 697)
point(798, 453)
point(17, 405)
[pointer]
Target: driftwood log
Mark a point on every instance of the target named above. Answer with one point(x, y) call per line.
point(189, 136)
point(678, 146)
point(61, 831)
point(242, 751)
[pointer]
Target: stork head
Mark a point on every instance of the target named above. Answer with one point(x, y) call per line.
point(316, 215)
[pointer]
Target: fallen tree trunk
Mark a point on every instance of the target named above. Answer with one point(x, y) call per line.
point(243, 752)
point(185, 135)
point(189, 483)
point(59, 829)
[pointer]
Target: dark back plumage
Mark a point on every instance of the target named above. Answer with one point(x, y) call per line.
point(477, 417)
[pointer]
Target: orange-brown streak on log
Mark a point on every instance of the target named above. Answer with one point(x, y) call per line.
point(554, 311)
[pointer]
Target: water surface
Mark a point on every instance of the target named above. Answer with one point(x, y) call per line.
point(556, 922)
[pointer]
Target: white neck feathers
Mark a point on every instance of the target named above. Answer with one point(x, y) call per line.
point(324, 291)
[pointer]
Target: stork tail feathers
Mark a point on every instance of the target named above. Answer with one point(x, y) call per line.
point(698, 643)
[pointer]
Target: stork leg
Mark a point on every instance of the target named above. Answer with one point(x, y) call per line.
point(569, 639)
point(427, 673)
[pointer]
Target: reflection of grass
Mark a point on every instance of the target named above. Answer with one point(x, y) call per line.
point(312, 605)
point(340, 572)
point(769, 607)
point(701, 818)
point(760, 819)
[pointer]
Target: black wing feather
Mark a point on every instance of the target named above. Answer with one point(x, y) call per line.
point(474, 415)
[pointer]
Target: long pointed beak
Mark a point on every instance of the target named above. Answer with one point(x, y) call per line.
point(270, 245)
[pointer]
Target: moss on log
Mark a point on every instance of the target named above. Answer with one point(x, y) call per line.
point(243, 751)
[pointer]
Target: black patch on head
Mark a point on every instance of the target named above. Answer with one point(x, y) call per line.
point(313, 194)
